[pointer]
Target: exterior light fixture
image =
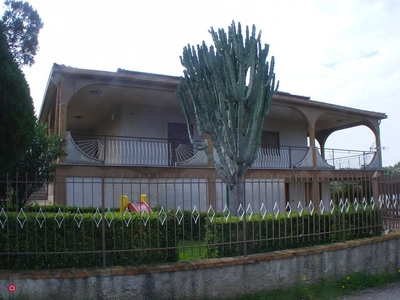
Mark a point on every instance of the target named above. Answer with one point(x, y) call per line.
point(96, 92)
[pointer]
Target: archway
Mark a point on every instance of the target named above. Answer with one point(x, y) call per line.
point(349, 148)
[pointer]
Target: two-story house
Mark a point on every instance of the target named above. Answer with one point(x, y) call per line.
point(126, 135)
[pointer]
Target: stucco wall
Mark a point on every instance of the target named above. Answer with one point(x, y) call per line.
point(149, 121)
point(171, 193)
point(215, 278)
point(290, 133)
point(166, 192)
point(152, 121)
point(262, 194)
point(299, 193)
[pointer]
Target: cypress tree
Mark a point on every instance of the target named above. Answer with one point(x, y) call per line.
point(17, 117)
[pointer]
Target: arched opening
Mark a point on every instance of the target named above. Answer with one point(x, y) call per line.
point(355, 138)
point(350, 148)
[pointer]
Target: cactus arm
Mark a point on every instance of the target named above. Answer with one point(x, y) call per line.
point(228, 88)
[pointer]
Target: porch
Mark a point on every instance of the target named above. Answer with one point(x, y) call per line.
point(143, 151)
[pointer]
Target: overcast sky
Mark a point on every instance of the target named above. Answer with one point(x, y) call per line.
point(340, 52)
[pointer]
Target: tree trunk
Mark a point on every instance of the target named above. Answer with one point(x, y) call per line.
point(237, 205)
point(236, 196)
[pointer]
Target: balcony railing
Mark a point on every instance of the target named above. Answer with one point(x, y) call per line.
point(349, 159)
point(124, 150)
point(117, 150)
point(283, 157)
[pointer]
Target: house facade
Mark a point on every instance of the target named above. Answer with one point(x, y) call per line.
point(126, 135)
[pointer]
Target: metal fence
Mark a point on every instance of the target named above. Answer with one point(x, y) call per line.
point(200, 209)
point(389, 201)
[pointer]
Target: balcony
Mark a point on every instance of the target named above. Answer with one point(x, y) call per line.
point(117, 150)
point(343, 159)
point(139, 151)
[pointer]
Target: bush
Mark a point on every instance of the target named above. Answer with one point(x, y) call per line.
point(36, 240)
point(225, 237)
point(65, 237)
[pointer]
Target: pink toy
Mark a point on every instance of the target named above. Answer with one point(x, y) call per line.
point(140, 207)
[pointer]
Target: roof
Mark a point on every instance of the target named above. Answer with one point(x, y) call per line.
point(126, 79)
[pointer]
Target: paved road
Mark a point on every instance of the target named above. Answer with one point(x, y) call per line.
point(390, 292)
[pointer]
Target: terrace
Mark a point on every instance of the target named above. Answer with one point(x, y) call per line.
point(142, 151)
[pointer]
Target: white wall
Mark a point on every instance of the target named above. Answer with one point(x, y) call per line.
point(290, 133)
point(168, 193)
point(152, 121)
point(111, 125)
point(262, 194)
point(149, 121)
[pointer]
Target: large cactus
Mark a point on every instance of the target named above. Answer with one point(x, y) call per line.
point(228, 88)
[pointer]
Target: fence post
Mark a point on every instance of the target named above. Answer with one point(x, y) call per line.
point(103, 224)
point(364, 160)
point(344, 224)
point(243, 191)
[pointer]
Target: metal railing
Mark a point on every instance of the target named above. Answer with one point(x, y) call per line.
point(348, 159)
point(124, 150)
point(190, 203)
point(119, 150)
point(283, 157)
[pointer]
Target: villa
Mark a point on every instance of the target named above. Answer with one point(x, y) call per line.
point(126, 135)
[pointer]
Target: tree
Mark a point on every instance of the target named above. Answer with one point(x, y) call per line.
point(22, 25)
point(228, 88)
point(38, 166)
point(17, 118)
point(392, 170)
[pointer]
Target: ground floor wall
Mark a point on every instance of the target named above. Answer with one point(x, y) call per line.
point(213, 278)
point(195, 188)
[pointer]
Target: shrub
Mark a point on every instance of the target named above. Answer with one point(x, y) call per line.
point(225, 236)
point(49, 239)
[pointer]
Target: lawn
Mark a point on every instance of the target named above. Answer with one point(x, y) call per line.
point(191, 250)
point(327, 289)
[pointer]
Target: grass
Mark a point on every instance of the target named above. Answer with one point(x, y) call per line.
point(327, 289)
point(191, 250)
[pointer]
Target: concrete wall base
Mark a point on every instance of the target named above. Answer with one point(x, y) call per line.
point(213, 278)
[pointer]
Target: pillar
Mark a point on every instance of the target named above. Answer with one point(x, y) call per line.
point(311, 134)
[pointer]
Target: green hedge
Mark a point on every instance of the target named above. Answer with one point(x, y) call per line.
point(193, 225)
point(69, 245)
point(224, 237)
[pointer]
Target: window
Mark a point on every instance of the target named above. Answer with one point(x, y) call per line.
point(270, 140)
